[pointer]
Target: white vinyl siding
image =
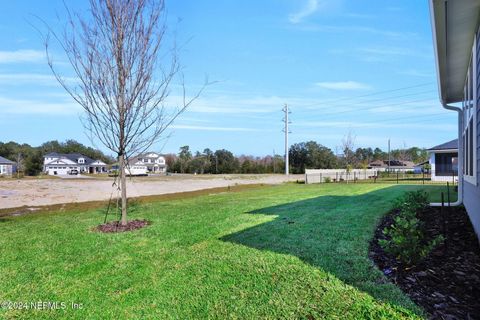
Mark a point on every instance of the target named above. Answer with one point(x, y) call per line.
point(5, 169)
point(469, 136)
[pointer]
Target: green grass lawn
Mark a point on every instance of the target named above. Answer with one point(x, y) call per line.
point(289, 251)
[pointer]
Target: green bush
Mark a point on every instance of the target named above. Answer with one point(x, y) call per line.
point(413, 201)
point(327, 180)
point(406, 238)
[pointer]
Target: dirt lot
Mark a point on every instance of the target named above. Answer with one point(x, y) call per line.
point(38, 192)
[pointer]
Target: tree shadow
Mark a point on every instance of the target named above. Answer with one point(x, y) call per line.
point(331, 233)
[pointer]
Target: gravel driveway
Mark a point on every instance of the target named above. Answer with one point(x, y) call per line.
point(38, 192)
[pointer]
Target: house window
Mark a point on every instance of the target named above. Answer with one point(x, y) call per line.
point(446, 164)
point(470, 119)
point(471, 149)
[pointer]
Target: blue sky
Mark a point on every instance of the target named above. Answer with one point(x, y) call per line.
point(341, 65)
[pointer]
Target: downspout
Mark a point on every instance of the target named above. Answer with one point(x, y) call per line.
point(460, 156)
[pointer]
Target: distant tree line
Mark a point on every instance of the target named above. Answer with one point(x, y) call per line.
point(222, 162)
point(303, 155)
point(312, 155)
point(29, 160)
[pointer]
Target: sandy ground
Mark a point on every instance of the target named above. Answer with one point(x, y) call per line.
point(38, 192)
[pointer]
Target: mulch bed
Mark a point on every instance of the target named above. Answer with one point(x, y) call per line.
point(115, 226)
point(447, 282)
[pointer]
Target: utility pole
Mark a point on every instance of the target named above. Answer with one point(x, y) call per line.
point(287, 122)
point(389, 157)
point(274, 161)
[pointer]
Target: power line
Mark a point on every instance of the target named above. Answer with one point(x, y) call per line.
point(372, 107)
point(287, 122)
point(382, 99)
point(393, 120)
point(434, 115)
point(336, 101)
point(369, 95)
point(401, 96)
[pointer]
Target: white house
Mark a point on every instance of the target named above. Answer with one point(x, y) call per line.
point(6, 167)
point(61, 164)
point(456, 35)
point(395, 165)
point(443, 161)
point(145, 164)
point(136, 168)
point(153, 162)
point(420, 167)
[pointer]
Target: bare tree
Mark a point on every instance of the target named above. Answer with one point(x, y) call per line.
point(403, 153)
point(19, 163)
point(123, 75)
point(348, 144)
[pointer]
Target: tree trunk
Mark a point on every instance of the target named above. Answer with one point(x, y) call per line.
point(123, 187)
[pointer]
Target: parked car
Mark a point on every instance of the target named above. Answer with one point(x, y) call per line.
point(73, 172)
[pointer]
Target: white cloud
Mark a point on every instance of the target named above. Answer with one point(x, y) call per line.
point(310, 8)
point(22, 56)
point(230, 104)
point(24, 78)
point(417, 73)
point(206, 107)
point(343, 85)
point(356, 29)
point(387, 53)
point(422, 124)
point(202, 128)
point(38, 79)
point(32, 107)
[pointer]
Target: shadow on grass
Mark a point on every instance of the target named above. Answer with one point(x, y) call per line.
point(331, 233)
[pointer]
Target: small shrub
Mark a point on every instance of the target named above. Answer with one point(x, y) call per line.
point(327, 180)
point(413, 201)
point(113, 173)
point(406, 238)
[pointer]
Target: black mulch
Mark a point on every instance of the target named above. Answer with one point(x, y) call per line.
point(115, 226)
point(447, 282)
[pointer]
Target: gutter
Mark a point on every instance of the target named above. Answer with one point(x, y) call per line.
point(460, 157)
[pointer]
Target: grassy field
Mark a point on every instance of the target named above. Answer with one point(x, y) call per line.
point(288, 251)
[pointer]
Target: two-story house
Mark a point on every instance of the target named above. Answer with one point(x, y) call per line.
point(61, 164)
point(152, 161)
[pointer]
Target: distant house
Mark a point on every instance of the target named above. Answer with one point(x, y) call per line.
point(421, 167)
point(393, 166)
point(136, 168)
point(144, 164)
point(151, 161)
point(6, 167)
point(444, 161)
point(456, 36)
point(63, 163)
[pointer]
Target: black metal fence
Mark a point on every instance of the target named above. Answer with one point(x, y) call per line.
point(374, 176)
